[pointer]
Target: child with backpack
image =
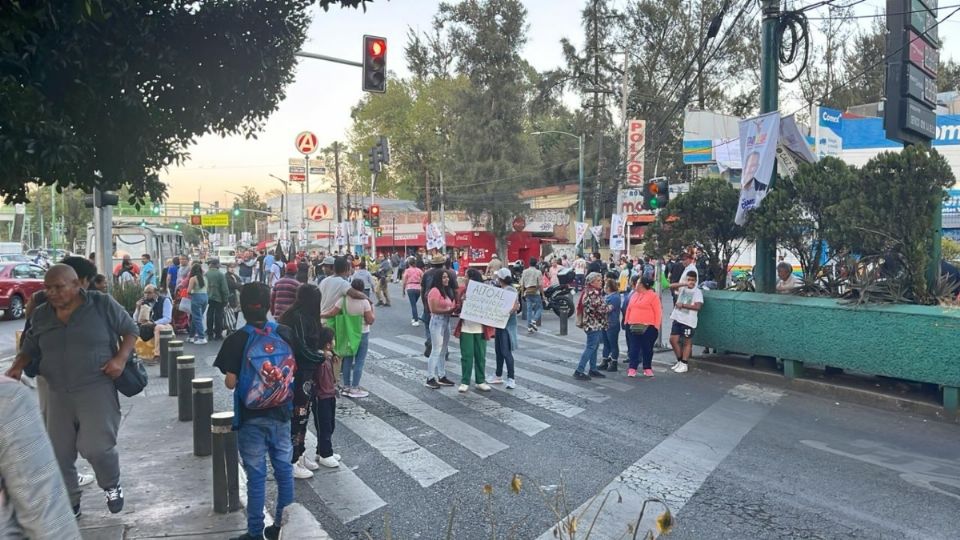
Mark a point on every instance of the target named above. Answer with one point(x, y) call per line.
point(259, 366)
point(325, 402)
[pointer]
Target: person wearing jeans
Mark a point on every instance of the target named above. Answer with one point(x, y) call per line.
point(442, 303)
point(611, 336)
point(505, 339)
point(642, 320)
point(257, 438)
point(531, 283)
point(594, 322)
point(352, 367)
point(411, 283)
point(197, 286)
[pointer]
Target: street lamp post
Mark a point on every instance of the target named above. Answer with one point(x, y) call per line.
point(284, 201)
point(580, 214)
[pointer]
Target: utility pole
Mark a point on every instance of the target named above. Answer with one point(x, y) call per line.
point(443, 222)
point(769, 101)
point(427, 191)
point(596, 117)
point(336, 168)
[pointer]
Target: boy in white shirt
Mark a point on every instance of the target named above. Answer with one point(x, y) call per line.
point(684, 317)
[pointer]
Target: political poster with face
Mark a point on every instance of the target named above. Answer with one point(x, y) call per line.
point(617, 241)
point(758, 146)
point(581, 228)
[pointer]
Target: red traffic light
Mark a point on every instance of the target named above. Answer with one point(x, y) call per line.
point(654, 188)
point(374, 210)
point(378, 47)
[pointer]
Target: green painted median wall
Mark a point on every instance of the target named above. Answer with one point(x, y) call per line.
point(920, 343)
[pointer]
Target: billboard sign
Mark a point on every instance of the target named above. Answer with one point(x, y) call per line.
point(636, 142)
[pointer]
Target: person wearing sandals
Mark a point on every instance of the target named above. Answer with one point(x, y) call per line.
point(505, 339)
point(473, 343)
point(642, 320)
point(353, 365)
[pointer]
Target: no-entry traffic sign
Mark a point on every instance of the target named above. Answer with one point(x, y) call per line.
point(306, 142)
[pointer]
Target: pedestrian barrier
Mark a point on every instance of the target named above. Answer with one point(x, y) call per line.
point(202, 409)
point(185, 374)
point(175, 349)
point(226, 474)
point(165, 337)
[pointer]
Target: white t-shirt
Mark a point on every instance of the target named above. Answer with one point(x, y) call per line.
point(332, 290)
point(692, 267)
point(470, 327)
point(359, 307)
point(686, 295)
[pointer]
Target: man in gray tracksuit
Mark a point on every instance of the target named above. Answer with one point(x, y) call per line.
point(83, 339)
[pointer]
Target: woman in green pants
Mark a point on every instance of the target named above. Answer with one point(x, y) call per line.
point(473, 344)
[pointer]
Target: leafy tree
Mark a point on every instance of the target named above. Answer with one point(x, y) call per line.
point(247, 221)
point(950, 249)
point(863, 65)
point(948, 76)
point(802, 214)
point(107, 92)
point(702, 218)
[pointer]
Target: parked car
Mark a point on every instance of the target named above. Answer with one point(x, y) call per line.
point(14, 257)
point(18, 282)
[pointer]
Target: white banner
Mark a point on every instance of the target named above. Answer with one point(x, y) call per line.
point(489, 305)
point(581, 228)
point(597, 231)
point(636, 141)
point(617, 241)
point(792, 139)
point(341, 234)
point(435, 239)
point(758, 146)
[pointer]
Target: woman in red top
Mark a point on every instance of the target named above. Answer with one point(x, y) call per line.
point(643, 326)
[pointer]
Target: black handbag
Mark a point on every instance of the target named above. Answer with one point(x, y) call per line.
point(133, 379)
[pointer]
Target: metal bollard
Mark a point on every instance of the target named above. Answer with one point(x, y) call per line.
point(563, 323)
point(185, 374)
point(202, 409)
point(226, 479)
point(165, 337)
point(175, 349)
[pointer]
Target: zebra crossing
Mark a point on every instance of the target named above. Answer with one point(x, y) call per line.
point(474, 424)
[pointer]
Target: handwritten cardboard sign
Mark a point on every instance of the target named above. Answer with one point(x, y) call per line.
point(489, 305)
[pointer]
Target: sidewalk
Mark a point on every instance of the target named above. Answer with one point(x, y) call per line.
point(167, 490)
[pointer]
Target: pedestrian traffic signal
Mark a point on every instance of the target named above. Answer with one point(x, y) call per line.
point(375, 215)
point(374, 64)
point(366, 217)
point(236, 208)
point(382, 150)
point(196, 208)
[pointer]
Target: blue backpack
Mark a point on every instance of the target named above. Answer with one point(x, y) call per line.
point(266, 376)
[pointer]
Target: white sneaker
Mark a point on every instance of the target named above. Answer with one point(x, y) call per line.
point(682, 368)
point(300, 472)
point(336, 457)
point(511, 383)
point(496, 380)
point(328, 462)
point(463, 388)
point(415, 322)
point(84, 479)
point(308, 464)
point(201, 341)
point(675, 366)
point(483, 387)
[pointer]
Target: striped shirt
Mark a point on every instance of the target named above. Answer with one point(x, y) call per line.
point(283, 295)
point(33, 500)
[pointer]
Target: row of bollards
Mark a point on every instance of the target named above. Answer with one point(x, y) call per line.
point(212, 432)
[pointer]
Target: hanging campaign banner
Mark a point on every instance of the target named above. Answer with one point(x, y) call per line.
point(758, 146)
point(581, 229)
point(489, 305)
point(343, 231)
point(617, 241)
point(792, 148)
point(435, 239)
point(597, 231)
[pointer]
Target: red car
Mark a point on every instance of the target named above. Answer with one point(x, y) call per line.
point(18, 282)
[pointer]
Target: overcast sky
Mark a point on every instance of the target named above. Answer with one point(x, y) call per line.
point(321, 97)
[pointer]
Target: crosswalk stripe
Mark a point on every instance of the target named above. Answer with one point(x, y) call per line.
point(523, 393)
point(342, 491)
point(456, 430)
point(676, 468)
point(528, 338)
point(396, 347)
point(411, 458)
point(517, 420)
point(549, 382)
point(568, 370)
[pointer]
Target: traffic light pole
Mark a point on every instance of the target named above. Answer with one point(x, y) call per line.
point(373, 237)
point(765, 274)
point(103, 230)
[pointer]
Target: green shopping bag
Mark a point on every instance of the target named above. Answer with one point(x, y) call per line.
point(347, 330)
point(664, 282)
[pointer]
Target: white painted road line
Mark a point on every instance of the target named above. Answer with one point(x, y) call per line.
point(415, 461)
point(467, 436)
point(675, 469)
point(341, 490)
point(523, 393)
point(517, 420)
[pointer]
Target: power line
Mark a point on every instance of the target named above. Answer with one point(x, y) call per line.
point(877, 15)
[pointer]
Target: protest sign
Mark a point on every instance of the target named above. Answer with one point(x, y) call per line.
point(489, 305)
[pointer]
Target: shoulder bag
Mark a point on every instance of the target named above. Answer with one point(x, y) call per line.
point(134, 377)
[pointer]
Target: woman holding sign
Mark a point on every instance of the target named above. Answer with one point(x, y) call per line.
point(473, 343)
point(505, 339)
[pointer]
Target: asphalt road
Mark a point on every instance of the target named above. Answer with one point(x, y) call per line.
point(732, 459)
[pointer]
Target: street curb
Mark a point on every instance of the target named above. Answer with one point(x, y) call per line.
point(300, 524)
point(823, 389)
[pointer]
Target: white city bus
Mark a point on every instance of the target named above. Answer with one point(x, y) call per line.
point(134, 240)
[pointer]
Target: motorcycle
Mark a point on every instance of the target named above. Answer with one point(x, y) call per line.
point(559, 298)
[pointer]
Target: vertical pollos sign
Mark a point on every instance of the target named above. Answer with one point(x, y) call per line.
point(636, 141)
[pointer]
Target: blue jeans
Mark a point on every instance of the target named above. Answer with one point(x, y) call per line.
point(414, 296)
point(590, 351)
point(611, 342)
point(198, 304)
point(641, 347)
point(257, 438)
point(534, 309)
point(352, 367)
point(440, 330)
